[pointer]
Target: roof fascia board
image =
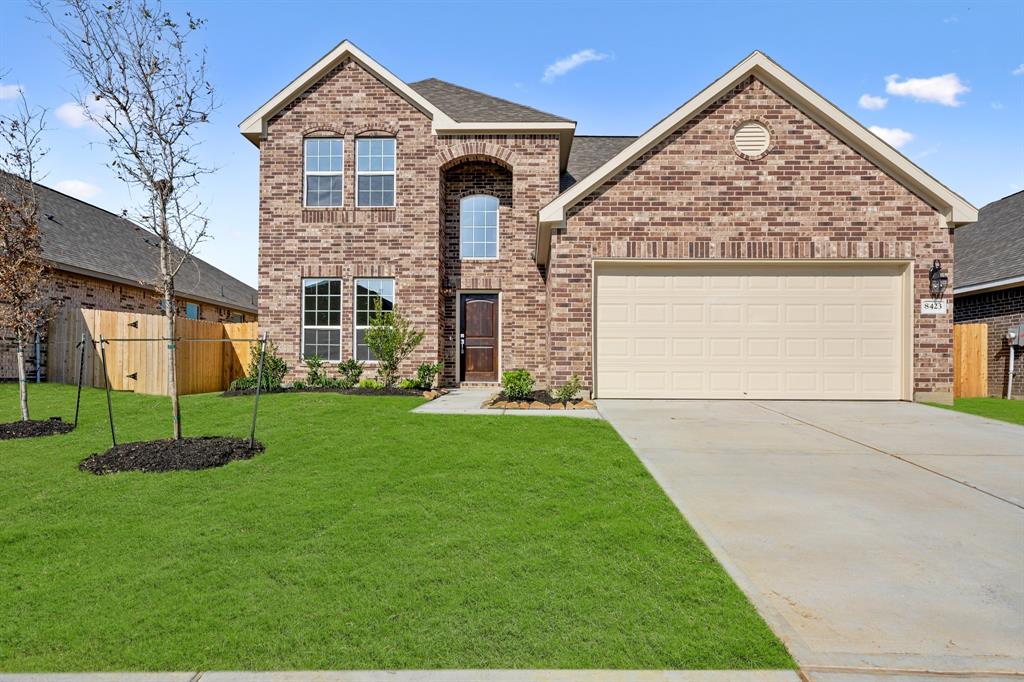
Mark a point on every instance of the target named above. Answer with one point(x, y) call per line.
point(254, 126)
point(989, 286)
point(106, 277)
point(958, 210)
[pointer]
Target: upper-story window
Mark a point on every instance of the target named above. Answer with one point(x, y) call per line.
point(478, 227)
point(375, 171)
point(324, 174)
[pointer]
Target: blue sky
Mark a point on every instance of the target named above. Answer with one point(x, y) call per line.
point(951, 76)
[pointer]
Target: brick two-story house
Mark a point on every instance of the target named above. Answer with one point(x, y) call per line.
point(757, 242)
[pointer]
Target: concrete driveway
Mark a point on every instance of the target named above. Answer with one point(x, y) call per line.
point(871, 536)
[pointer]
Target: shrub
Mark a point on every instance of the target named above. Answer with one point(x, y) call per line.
point(517, 384)
point(350, 371)
point(242, 384)
point(315, 374)
point(391, 339)
point(408, 383)
point(274, 368)
point(425, 375)
point(371, 384)
point(298, 385)
point(568, 390)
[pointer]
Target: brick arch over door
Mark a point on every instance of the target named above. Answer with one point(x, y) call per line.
point(449, 157)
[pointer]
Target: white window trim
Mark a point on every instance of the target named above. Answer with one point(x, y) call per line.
point(393, 173)
point(303, 326)
point(497, 229)
point(306, 174)
point(355, 314)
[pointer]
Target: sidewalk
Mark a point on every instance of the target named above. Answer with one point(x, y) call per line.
point(471, 400)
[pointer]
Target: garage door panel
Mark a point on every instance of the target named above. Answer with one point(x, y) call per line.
point(756, 331)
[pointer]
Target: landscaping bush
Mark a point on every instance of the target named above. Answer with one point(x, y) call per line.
point(408, 384)
point(517, 384)
point(298, 385)
point(391, 339)
point(568, 390)
point(350, 371)
point(371, 384)
point(274, 369)
point(425, 375)
point(315, 374)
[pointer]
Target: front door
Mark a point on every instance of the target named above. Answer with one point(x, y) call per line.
point(478, 337)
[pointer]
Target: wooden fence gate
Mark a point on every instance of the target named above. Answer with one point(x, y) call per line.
point(204, 364)
point(970, 360)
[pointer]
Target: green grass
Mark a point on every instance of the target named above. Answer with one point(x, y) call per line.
point(364, 537)
point(994, 408)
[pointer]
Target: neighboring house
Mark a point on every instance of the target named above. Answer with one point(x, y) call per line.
point(101, 260)
point(755, 243)
point(990, 283)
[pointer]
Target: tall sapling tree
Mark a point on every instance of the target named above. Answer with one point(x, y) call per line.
point(146, 90)
point(24, 304)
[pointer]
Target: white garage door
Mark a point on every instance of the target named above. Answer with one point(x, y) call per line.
point(769, 331)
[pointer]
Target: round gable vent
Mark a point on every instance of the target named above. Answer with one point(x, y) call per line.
point(751, 139)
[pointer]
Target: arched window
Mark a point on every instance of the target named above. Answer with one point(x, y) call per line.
point(478, 227)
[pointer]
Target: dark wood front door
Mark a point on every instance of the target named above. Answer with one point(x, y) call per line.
point(478, 337)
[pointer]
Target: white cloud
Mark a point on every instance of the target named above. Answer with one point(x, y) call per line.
point(951, 19)
point(997, 105)
point(873, 102)
point(9, 91)
point(894, 136)
point(1019, 71)
point(942, 89)
point(77, 188)
point(567, 64)
point(73, 115)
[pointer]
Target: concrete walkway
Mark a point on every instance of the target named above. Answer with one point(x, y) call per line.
point(471, 400)
point(425, 676)
point(873, 537)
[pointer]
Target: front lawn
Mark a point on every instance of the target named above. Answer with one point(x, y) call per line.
point(994, 408)
point(364, 537)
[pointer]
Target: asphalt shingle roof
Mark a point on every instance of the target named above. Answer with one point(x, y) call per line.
point(992, 248)
point(469, 106)
point(85, 237)
point(588, 153)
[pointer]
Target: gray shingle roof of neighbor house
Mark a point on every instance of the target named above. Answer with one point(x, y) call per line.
point(468, 106)
point(991, 249)
point(83, 238)
point(588, 153)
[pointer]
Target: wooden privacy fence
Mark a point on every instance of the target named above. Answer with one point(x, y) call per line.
point(204, 365)
point(970, 360)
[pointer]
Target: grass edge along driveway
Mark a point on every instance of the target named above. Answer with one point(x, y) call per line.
point(365, 537)
point(1011, 411)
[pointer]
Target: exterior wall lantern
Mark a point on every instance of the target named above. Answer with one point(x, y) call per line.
point(938, 280)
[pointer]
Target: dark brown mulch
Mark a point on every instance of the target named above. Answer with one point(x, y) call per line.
point(230, 393)
point(35, 427)
point(536, 396)
point(187, 454)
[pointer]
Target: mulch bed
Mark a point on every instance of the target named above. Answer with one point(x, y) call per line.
point(187, 454)
point(230, 393)
point(35, 427)
point(538, 400)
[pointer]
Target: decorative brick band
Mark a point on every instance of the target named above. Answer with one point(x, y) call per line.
point(815, 247)
point(342, 216)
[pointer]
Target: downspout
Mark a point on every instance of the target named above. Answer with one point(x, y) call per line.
point(1009, 375)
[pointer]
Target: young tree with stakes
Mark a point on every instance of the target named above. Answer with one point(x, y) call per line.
point(146, 90)
point(24, 305)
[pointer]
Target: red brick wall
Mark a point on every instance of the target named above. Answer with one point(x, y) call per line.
point(1000, 310)
point(404, 242)
point(693, 196)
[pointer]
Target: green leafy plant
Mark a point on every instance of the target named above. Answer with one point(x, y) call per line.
point(315, 373)
point(568, 390)
point(371, 384)
point(408, 383)
point(274, 369)
point(350, 371)
point(517, 384)
point(298, 385)
point(425, 375)
point(391, 339)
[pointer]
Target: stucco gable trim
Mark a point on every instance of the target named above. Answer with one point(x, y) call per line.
point(956, 210)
